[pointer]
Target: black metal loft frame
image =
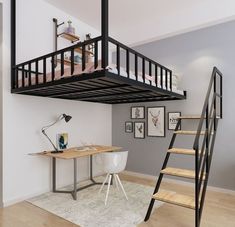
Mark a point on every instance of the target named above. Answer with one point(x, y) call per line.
point(13, 41)
point(203, 147)
point(31, 77)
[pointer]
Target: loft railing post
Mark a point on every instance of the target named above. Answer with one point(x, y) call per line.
point(13, 43)
point(196, 187)
point(105, 32)
point(207, 138)
point(221, 97)
point(215, 91)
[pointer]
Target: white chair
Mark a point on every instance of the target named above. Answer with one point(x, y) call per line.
point(114, 163)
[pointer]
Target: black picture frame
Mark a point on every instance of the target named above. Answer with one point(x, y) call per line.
point(170, 127)
point(126, 128)
point(152, 121)
point(142, 114)
point(137, 134)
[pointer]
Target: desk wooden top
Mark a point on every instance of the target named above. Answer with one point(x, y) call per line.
point(78, 152)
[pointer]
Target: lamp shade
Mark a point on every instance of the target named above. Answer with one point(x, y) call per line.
point(66, 117)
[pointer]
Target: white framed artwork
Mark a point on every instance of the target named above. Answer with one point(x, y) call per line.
point(139, 130)
point(173, 118)
point(156, 121)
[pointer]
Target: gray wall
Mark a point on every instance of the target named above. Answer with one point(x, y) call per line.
point(1, 163)
point(192, 56)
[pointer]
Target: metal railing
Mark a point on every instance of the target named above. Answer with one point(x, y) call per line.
point(211, 113)
point(161, 75)
point(45, 64)
point(45, 68)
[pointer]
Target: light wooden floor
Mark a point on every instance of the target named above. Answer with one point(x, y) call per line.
point(219, 211)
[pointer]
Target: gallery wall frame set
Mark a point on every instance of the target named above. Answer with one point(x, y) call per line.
point(156, 121)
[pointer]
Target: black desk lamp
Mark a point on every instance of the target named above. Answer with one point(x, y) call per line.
point(67, 118)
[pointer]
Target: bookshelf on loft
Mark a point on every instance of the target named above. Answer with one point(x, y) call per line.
point(73, 38)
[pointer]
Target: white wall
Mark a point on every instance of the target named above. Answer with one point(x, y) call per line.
point(145, 21)
point(23, 116)
point(1, 203)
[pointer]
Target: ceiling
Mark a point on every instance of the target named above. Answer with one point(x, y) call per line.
point(139, 21)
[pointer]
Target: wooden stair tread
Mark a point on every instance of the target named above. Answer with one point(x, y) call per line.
point(180, 172)
point(190, 117)
point(183, 132)
point(193, 117)
point(175, 198)
point(182, 151)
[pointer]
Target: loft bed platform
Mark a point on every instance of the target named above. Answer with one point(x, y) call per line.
point(101, 87)
point(142, 79)
point(129, 77)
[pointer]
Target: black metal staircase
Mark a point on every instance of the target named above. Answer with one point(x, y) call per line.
point(202, 150)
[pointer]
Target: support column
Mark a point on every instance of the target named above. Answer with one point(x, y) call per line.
point(13, 41)
point(105, 32)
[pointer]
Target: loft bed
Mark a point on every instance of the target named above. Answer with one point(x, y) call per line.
point(130, 77)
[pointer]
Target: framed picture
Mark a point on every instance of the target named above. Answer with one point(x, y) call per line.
point(128, 127)
point(173, 120)
point(156, 121)
point(137, 112)
point(139, 132)
point(62, 141)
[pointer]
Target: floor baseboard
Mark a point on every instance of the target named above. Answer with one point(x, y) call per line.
point(151, 177)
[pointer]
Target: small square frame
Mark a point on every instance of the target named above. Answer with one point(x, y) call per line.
point(137, 127)
point(138, 112)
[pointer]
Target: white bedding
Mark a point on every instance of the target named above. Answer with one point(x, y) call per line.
point(148, 79)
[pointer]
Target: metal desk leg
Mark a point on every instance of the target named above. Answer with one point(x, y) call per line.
point(74, 193)
point(54, 174)
point(91, 169)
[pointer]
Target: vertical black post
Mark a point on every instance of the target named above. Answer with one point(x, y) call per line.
point(156, 75)
point(207, 138)
point(75, 179)
point(171, 80)
point(54, 174)
point(105, 32)
point(127, 65)
point(13, 42)
point(197, 187)
point(221, 96)
point(55, 34)
point(215, 108)
point(136, 67)
point(118, 59)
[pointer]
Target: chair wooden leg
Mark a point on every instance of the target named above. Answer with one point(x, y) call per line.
point(107, 193)
point(121, 186)
point(106, 178)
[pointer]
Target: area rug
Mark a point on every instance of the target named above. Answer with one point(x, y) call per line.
point(89, 209)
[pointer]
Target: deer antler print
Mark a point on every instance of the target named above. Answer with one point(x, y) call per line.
point(155, 119)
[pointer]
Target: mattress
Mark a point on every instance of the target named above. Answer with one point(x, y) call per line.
point(90, 69)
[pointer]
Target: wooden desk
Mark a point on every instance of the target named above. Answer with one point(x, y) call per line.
point(75, 153)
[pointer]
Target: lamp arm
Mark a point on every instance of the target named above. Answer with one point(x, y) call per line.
point(44, 133)
point(48, 126)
